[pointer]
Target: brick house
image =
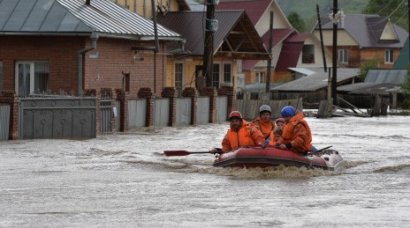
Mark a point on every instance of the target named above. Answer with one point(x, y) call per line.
point(69, 47)
point(363, 37)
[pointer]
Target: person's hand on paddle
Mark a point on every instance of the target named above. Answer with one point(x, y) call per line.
point(215, 151)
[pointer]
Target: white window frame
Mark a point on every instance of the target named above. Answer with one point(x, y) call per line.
point(175, 75)
point(31, 63)
point(230, 72)
point(259, 75)
point(388, 56)
point(32, 75)
point(342, 55)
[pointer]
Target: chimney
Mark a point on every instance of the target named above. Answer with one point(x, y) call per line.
point(87, 2)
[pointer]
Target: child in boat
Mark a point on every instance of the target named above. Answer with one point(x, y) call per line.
point(276, 134)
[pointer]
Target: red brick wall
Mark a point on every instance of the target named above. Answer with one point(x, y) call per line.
point(115, 57)
point(60, 52)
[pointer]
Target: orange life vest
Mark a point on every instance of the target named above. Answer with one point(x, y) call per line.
point(297, 132)
point(265, 128)
point(248, 135)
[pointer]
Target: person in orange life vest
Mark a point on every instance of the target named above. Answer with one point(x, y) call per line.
point(241, 133)
point(296, 134)
point(264, 122)
point(276, 134)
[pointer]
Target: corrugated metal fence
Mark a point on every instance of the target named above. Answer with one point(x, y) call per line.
point(57, 117)
point(4, 121)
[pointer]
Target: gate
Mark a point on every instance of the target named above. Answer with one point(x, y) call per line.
point(4, 121)
point(202, 112)
point(106, 112)
point(183, 111)
point(161, 112)
point(57, 117)
point(136, 113)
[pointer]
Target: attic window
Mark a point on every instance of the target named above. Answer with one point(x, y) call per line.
point(308, 54)
point(389, 34)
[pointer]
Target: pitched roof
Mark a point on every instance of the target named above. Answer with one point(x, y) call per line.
point(39, 17)
point(291, 50)
point(378, 82)
point(254, 8)
point(316, 81)
point(368, 30)
point(278, 35)
point(234, 28)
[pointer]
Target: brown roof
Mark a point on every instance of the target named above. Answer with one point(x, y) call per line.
point(278, 35)
point(291, 50)
point(254, 8)
point(236, 36)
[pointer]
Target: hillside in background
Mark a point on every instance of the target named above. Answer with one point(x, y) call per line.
point(307, 8)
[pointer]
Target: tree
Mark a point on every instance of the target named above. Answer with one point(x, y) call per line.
point(396, 10)
point(296, 21)
point(366, 66)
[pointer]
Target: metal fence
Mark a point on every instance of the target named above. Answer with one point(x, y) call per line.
point(4, 121)
point(183, 111)
point(136, 113)
point(57, 117)
point(106, 113)
point(221, 109)
point(202, 111)
point(161, 112)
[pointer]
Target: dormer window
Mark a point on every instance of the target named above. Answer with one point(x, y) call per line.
point(389, 33)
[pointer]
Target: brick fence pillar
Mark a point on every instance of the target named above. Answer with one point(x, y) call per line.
point(147, 94)
point(193, 94)
point(123, 99)
point(229, 92)
point(9, 97)
point(211, 93)
point(170, 93)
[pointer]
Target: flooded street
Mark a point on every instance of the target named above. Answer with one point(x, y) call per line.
point(123, 180)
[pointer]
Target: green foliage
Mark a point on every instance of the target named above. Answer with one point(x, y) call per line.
point(307, 8)
point(395, 9)
point(406, 88)
point(296, 21)
point(366, 66)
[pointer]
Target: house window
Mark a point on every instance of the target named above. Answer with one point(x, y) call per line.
point(308, 54)
point(342, 56)
point(227, 73)
point(215, 76)
point(260, 77)
point(1, 75)
point(31, 78)
point(388, 56)
point(179, 77)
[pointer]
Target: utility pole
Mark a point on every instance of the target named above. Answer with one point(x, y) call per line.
point(211, 25)
point(321, 37)
point(334, 53)
point(269, 70)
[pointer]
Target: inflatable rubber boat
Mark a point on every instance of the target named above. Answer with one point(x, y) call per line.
point(264, 157)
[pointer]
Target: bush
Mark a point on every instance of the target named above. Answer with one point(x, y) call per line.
point(366, 66)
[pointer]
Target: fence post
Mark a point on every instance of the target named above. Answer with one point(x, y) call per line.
point(147, 94)
point(170, 93)
point(123, 99)
point(193, 94)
